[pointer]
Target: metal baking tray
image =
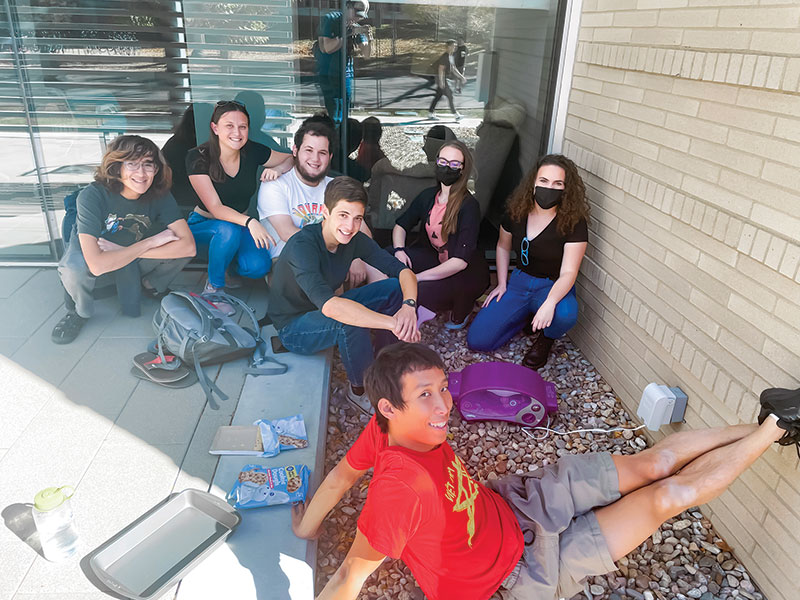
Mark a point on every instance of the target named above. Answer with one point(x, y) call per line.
point(164, 544)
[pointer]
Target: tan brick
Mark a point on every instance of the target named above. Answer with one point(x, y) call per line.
point(762, 192)
point(736, 117)
point(734, 68)
point(766, 146)
point(780, 174)
point(642, 113)
point(744, 285)
point(698, 128)
point(760, 243)
point(785, 360)
point(766, 101)
point(791, 259)
point(710, 67)
point(740, 161)
point(612, 34)
point(687, 18)
point(759, 18)
point(683, 163)
point(777, 247)
point(790, 496)
point(735, 536)
point(788, 129)
point(761, 70)
point(717, 39)
point(596, 19)
point(600, 102)
point(791, 75)
point(746, 238)
point(775, 74)
point(748, 69)
point(778, 42)
point(777, 221)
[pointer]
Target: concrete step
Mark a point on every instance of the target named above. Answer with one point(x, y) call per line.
point(263, 560)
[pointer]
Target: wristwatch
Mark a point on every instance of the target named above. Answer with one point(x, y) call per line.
point(411, 302)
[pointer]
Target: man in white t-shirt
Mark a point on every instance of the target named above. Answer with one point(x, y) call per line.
point(296, 198)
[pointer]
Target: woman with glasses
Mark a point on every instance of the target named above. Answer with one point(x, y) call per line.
point(224, 173)
point(128, 226)
point(546, 225)
point(450, 269)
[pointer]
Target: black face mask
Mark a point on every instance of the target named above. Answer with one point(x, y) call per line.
point(447, 175)
point(547, 197)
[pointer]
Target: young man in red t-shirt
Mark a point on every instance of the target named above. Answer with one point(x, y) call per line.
point(532, 537)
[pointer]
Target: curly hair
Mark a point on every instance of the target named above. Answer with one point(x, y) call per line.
point(133, 148)
point(458, 190)
point(573, 206)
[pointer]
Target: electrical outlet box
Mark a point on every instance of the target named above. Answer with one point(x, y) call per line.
point(660, 405)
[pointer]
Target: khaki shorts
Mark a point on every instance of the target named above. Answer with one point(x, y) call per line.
point(563, 541)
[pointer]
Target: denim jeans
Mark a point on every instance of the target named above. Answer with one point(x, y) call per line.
point(504, 318)
point(224, 241)
point(313, 331)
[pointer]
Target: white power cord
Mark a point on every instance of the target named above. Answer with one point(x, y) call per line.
point(546, 429)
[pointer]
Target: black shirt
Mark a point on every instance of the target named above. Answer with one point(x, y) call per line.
point(307, 273)
point(546, 250)
point(442, 61)
point(107, 214)
point(234, 192)
point(463, 241)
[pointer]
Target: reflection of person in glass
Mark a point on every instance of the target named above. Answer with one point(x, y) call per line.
point(445, 67)
point(460, 60)
point(327, 50)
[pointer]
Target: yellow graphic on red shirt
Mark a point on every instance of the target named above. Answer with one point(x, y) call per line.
point(463, 497)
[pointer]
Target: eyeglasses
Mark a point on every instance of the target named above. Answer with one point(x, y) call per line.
point(453, 164)
point(524, 251)
point(148, 166)
point(229, 102)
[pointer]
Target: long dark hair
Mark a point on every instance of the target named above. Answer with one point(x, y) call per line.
point(458, 190)
point(133, 148)
point(211, 147)
point(573, 207)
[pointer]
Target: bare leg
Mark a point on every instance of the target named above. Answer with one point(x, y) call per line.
point(672, 453)
point(630, 520)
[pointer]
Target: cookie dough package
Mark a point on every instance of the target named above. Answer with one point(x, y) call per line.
point(282, 434)
point(259, 486)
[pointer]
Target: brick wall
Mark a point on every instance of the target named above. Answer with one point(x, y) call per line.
point(684, 117)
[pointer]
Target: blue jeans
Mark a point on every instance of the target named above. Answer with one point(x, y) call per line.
point(313, 331)
point(224, 240)
point(504, 318)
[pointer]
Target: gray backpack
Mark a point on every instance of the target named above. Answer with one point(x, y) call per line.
point(194, 330)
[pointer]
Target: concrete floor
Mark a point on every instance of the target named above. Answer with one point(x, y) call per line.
point(74, 415)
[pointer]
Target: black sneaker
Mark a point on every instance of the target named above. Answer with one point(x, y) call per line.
point(784, 404)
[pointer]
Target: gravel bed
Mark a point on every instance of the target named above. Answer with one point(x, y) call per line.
point(685, 558)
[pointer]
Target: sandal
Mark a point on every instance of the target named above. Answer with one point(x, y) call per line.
point(68, 328)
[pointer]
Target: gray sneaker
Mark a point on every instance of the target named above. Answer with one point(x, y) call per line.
point(360, 401)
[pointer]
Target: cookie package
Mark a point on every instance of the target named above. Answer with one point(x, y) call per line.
point(277, 435)
point(259, 486)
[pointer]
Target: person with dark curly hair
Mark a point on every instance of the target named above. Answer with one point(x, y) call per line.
point(128, 225)
point(546, 223)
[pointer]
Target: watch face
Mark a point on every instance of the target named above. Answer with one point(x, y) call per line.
point(410, 302)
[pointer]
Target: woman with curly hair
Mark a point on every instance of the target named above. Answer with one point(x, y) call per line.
point(546, 223)
point(450, 268)
point(128, 226)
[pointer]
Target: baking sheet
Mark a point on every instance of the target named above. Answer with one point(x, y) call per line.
point(161, 546)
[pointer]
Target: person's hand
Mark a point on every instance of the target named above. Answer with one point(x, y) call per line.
point(260, 235)
point(495, 294)
point(107, 246)
point(403, 258)
point(357, 273)
point(298, 512)
point(405, 327)
point(544, 316)
point(270, 175)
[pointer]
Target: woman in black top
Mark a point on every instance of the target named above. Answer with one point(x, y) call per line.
point(450, 269)
point(223, 172)
point(546, 225)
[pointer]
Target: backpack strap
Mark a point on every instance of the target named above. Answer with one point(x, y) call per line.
point(260, 357)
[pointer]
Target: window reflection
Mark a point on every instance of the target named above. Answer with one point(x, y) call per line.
point(90, 70)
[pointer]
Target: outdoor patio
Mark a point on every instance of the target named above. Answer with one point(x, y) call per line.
point(74, 415)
